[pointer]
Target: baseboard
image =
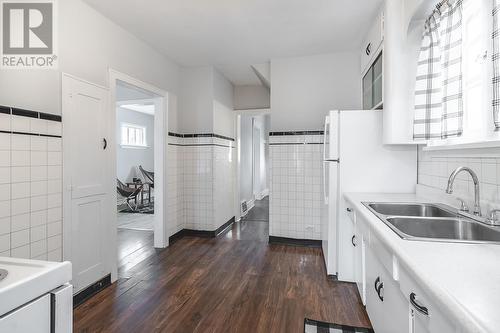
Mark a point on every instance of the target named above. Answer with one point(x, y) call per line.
point(201, 233)
point(295, 241)
point(91, 290)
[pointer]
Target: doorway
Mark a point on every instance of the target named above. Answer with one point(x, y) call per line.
point(253, 170)
point(139, 128)
point(135, 160)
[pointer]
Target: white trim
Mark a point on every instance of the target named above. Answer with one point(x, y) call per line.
point(263, 194)
point(160, 166)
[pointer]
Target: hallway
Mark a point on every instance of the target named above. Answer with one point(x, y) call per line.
point(234, 283)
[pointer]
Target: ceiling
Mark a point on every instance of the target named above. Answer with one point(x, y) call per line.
point(233, 34)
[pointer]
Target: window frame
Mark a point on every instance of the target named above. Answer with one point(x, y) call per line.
point(128, 144)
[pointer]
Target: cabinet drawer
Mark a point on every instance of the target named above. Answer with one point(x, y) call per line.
point(385, 304)
point(426, 316)
point(32, 317)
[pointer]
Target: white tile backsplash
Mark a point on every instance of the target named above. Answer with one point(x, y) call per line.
point(434, 169)
point(28, 199)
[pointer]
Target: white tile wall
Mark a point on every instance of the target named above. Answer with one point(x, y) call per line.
point(200, 178)
point(434, 169)
point(295, 186)
point(30, 189)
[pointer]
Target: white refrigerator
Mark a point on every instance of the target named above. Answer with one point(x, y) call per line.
point(356, 160)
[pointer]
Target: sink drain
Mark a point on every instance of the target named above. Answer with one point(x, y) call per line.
point(3, 274)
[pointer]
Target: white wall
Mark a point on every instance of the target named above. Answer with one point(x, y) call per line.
point(251, 97)
point(223, 117)
point(89, 44)
point(206, 102)
point(195, 103)
point(246, 159)
point(129, 159)
point(304, 89)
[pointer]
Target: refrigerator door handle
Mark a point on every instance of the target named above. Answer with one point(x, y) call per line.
point(327, 122)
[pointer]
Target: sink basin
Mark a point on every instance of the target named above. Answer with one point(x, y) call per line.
point(405, 209)
point(433, 222)
point(457, 229)
point(29, 279)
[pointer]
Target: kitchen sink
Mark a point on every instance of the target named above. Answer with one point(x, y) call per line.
point(402, 209)
point(444, 228)
point(434, 222)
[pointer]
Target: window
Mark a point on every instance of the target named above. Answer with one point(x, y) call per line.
point(476, 74)
point(133, 135)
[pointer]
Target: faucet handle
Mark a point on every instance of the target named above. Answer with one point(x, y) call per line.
point(493, 217)
point(463, 206)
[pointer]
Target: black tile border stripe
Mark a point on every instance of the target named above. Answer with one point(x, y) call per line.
point(296, 133)
point(91, 290)
point(200, 135)
point(199, 145)
point(29, 113)
point(32, 134)
point(295, 143)
point(201, 233)
point(295, 241)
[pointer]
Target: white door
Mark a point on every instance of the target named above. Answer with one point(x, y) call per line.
point(86, 173)
point(256, 163)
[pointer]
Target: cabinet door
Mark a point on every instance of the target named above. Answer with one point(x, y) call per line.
point(377, 86)
point(367, 90)
point(359, 278)
point(385, 304)
point(346, 249)
point(32, 317)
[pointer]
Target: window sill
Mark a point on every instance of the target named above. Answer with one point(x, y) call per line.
point(134, 147)
point(456, 145)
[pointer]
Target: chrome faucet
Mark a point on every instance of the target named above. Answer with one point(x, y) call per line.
point(449, 188)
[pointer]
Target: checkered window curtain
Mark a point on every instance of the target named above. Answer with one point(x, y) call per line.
point(438, 90)
point(496, 63)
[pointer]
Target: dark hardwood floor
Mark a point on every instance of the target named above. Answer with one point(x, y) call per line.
point(234, 283)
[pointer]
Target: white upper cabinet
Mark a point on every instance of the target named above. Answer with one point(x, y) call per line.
point(373, 42)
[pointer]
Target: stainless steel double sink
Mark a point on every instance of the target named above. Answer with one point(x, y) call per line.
point(433, 222)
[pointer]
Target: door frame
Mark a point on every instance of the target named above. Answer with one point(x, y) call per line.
point(237, 119)
point(160, 161)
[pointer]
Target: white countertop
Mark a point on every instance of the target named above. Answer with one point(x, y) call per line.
point(29, 279)
point(463, 279)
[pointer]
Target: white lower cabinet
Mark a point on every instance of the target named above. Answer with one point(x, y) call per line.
point(395, 302)
point(32, 317)
point(425, 316)
point(385, 304)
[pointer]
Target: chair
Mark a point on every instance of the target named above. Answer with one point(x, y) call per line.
point(148, 176)
point(128, 193)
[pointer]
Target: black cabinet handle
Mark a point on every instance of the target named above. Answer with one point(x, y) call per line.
point(368, 49)
point(353, 239)
point(379, 288)
point(105, 143)
point(349, 209)
point(420, 308)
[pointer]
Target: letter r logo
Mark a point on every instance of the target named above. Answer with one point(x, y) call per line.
point(27, 28)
